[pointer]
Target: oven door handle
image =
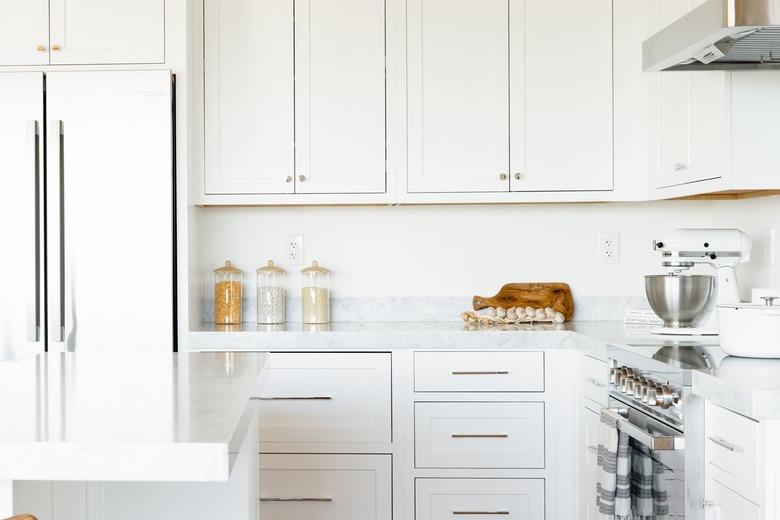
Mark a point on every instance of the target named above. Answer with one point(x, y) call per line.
point(652, 441)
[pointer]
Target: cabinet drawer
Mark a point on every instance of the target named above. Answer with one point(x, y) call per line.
point(591, 443)
point(729, 504)
point(595, 376)
point(326, 398)
point(325, 487)
point(512, 499)
point(732, 447)
point(479, 435)
point(479, 371)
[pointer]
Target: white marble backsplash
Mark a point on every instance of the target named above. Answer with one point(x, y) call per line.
point(586, 308)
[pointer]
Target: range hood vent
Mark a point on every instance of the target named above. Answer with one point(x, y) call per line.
point(718, 35)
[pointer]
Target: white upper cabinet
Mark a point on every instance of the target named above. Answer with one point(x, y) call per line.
point(249, 145)
point(561, 95)
point(81, 32)
point(458, 95)
point(693, 123)
point(340, 96)
point(294, 105)
point(24, 32)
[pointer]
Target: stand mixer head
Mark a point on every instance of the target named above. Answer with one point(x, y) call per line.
point(683, 300)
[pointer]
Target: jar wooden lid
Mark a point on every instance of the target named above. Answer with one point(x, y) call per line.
point(270, 268)
point(228, 268)
point(315, 268)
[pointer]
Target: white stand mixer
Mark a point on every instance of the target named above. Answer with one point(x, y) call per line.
point(723, 250)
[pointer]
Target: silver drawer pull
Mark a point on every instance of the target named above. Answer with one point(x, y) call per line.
point(596, 382)
point(480, 512)
point(480, 372)
point(296, 499)
point(294, 398)
point(479, 435)
point(723, 443)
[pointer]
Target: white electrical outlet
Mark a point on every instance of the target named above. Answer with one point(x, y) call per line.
point(609, 248)
point(293, 250)
point(769, 246)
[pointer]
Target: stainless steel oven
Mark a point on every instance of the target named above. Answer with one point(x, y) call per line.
point(651, 401)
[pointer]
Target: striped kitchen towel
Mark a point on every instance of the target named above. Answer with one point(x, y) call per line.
point(648, 487)
point(613, 489)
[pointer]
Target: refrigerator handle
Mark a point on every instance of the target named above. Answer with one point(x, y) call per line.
point(55, 231)
point(33, 302)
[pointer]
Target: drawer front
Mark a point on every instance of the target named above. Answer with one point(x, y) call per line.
point(479, 371)
point(325, 487)
point(326, 398)
point(732, 447)
point(595, 381)
point(591, 444)
point(479, 435)
point(509, 499)
point(729, 505)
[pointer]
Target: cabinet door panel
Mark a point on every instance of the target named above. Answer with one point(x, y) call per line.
point(249, 96)
point(24, 27)
point(340, 96)
point(107, 31)
point(561, 113)
point(458, 95)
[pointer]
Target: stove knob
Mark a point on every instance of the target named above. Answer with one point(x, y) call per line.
point(651, 395)
point(627, 385)
point(667, 397)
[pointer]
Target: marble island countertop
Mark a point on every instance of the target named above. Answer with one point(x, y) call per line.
point(747, 386)
point(125, 416)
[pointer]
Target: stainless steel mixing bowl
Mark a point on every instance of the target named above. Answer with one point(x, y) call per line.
point(680, 300)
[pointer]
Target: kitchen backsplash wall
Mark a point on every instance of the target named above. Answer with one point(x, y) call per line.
point(384, 258)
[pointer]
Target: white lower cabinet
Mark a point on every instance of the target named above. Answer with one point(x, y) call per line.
point(479, 435)
point(511, 499)
point(725, 504)
point(321, 398)
point(326, 487)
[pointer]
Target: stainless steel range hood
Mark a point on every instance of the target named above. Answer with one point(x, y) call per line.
point(719, 34)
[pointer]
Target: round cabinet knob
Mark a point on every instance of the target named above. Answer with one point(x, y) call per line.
point(41, 48)
point(301, 178)
point(503, 176)
point(56, 48)
point(289, 178)
point(518, 176)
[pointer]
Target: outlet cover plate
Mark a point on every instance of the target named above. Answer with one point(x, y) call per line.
point(609, 248)
point(293, 250)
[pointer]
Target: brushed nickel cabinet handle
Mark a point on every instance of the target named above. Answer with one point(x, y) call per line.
point(479, 435)
point(301, 178)
point(518, 176)
point(480, 512)
point(596, 382)
point(289, 178)
point(33, 303)
point(723, 443)
point(503, 176)
point(295, 398)
point(296, 499)
point(480, 372)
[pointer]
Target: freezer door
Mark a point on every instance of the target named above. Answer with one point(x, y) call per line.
point(21, 213)
point(110, 231)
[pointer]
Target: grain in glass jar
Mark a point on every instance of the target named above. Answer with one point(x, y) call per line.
point(227, 294)
point(315, 294)
point(270, 294)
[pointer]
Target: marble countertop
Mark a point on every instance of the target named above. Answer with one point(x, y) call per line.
point(748, 386)
point(125, 416)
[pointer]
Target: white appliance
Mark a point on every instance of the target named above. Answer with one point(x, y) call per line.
point(87, 259)
point(722, 250)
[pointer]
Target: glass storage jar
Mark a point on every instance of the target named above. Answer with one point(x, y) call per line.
point(227, 294)
point(270, 294)
point(315, 294)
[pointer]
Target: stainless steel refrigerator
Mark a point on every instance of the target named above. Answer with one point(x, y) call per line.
point(87, 257)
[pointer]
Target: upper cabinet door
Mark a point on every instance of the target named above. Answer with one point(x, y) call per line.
point(458, 95)
point(340, 96)
point(107, 31)
point(24, 32)
point(561, 95)
point(250, 111)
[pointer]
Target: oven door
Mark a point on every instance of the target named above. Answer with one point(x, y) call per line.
point(665, 446)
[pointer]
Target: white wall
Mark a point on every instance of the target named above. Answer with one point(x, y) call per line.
point(464, 250)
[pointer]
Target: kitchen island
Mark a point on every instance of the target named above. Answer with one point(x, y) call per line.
point(133, 434)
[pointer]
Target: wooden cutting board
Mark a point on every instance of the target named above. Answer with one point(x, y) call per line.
point(537, 295)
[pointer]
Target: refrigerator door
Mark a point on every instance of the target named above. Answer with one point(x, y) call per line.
point(110, 200)
point(21, 214)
